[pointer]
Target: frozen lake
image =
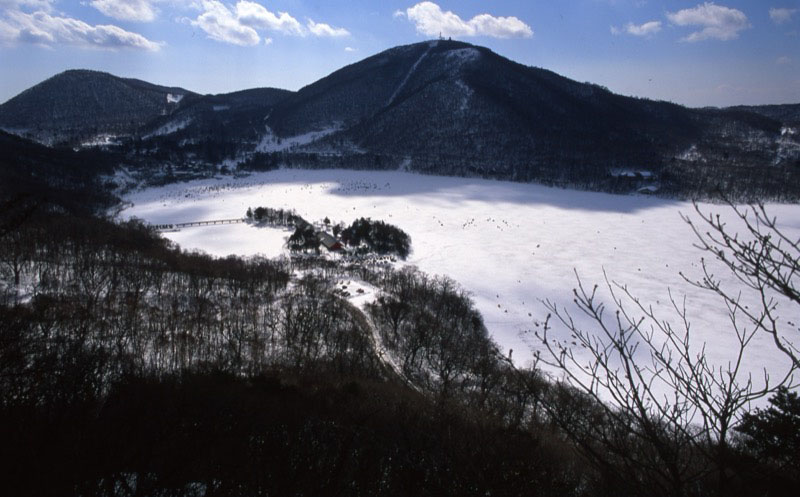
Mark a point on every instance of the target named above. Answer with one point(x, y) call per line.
point(508, 244)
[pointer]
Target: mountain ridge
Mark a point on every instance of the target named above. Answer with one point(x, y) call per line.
point(439, 106)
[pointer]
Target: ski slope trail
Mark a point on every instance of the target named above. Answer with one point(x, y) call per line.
point(408, 76)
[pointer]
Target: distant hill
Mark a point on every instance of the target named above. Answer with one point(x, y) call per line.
point(788, 114)
point(238, 115)
point(79, 105)
point(52, 177)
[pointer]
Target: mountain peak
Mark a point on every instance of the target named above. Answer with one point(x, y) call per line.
point(80, 102)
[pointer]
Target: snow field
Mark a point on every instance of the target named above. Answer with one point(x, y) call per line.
point(510, 245)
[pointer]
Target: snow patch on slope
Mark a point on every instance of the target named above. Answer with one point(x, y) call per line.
point(630, 173)
point(174, 98)
point(691, 154)
point(124, 180)
point(466, 94)
point(272, 143)
point(169, 128)
point(101, 141)
point(464, 55)
point(788, 146)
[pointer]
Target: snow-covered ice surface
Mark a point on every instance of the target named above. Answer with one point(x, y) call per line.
point(508, 244)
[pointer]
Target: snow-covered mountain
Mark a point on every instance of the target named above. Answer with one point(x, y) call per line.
point(457, 108)
point(437, 106)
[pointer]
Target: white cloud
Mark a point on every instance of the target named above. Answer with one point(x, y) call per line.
point(646, 29)
point(185, 4)
point(256, 16)
point(44, 5)
point(240, 24)
point(126, 10)
point(267, 41)
point(134, 10)
point(220, 24)
point(8, 33)
point(349, 49)
point(501, 27)
point(717, 21)
point(430, 20)
point(784, 60)
point(398, 13)
point(781, 15)
point(41, 28)
point(322, 29)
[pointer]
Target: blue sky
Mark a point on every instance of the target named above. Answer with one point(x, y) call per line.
point(694, 53)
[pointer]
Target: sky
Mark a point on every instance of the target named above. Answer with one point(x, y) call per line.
point(694, 53)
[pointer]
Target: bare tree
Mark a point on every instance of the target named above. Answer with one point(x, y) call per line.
point(653, 405)
point(765, 260)
point(15, 253)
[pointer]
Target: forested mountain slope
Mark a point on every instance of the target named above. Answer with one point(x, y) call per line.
point(440, 106)
point(80, 105)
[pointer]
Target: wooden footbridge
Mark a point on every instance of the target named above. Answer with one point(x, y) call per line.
point(192, 224)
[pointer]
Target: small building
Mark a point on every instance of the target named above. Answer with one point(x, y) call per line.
point(329, 242)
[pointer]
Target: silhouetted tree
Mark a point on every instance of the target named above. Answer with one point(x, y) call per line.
point(773, 434)
point(766, 263)
point(655, 406)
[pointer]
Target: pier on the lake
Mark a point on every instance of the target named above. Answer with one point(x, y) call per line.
point(192, 224)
